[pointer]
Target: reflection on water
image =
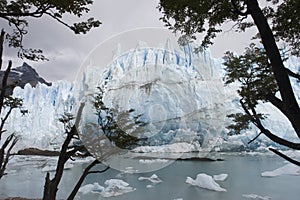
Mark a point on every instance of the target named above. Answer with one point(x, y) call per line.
point(244, 171)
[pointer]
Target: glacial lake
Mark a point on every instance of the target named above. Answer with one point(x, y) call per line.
point(26, 179)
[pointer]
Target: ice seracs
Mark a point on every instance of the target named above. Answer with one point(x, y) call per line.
point(179, 92)
point(40, 127)
point(156, 82)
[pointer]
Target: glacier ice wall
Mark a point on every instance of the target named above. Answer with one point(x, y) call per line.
point(176, 92)
point(40, 127)
point(179, 92)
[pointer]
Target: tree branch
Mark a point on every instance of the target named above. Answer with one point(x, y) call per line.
point(99, 171)
point(292, 74)
point(237, 9)
point(85, 173)
point(10, 140)
point(4, 85)
point(59, 20)
point(70, 153)
point(3, 120)
point(254, 138)
point(52, 185)
point(285, 157)
point(256, 121)
point(276, 102)
point(1, 46)
point(278, 68)
point(37, 13)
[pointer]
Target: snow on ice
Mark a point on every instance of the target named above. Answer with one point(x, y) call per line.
point(157, 79)
point(205, 181)
point(94, 188)
point(220, 177)
point(256, 197)
point(288, 169)
point(151, 161)
point(153, 179)
point(114, 187)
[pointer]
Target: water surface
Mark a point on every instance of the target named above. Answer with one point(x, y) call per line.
point(244, 172)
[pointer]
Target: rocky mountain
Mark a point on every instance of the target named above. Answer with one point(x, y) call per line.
point(22, 75)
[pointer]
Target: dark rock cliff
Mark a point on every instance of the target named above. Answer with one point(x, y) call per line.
point(22, 75)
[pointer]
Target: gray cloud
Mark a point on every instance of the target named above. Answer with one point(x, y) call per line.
point(67, 51)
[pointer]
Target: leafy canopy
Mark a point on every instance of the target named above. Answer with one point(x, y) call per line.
point(260, 71)
point(120, 127)
point(190, 17)
point(17, 12)
point(257, 84)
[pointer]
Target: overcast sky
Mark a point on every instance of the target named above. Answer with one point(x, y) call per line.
point(67, 51)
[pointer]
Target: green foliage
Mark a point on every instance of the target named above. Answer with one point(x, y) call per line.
point(120, 127)
point(17, 12)
point(84, 27)
point(287, 24)
point(10, 103)
point(260, 72)
point(240, 123)
point(194, 16)
point(253, 71)
point(190, 17)
point(257, 83)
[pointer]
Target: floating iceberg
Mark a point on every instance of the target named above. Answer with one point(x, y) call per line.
point(288, 169)
point(220, 177)
point(149, 186)
point(153, 179)
point(116, 187)
point(93, 188)
point(151, 161)
point(205, 181)
point(257, 197)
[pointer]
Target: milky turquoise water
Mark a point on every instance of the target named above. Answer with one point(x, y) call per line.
point(244, 178)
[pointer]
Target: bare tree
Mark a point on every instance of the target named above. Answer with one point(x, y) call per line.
point(67, 152)
point(10, 103)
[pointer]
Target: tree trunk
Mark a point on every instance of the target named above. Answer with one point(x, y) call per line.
point(287, 94)
point(51, 186)
point(81, 179)
point(1, 46)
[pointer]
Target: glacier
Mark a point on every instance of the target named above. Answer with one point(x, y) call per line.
point(40, 127)
point(179, 93)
